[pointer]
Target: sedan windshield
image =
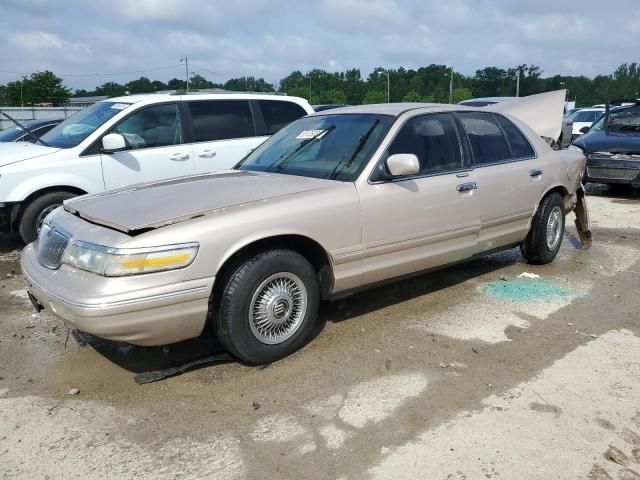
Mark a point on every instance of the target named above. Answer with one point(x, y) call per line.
point(78, 127)
point(621, 120)
point(321, 146)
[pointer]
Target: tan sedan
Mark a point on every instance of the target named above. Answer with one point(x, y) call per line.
point(334, 202)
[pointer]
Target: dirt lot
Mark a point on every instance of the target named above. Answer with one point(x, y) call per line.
point(468, 373)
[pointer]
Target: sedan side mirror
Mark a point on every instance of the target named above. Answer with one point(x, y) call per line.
point(113, 142)
point(584, 129)
point(403, 164)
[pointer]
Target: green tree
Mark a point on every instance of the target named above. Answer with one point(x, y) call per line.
point(39, 87)
point(375, 96)
point(249, 84)
point(141, 85)
point(412, 96)
point(332, 96)
point(158, 86)
point(111, 89)
point(462, 93)
point(177, 84)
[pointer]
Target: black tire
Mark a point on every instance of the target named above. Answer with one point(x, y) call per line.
point(233, 325)
point(536, 248)
point(32, 216)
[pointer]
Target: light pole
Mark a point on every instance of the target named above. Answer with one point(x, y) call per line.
point(451, 87)
point(21, 84)
point(518, 82)
point(186, 67)
point(388, 85)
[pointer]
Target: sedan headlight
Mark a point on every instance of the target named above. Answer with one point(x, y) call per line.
point(116, 262)
point(575, 148)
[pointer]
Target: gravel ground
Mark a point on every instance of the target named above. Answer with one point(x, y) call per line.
point(469, 373)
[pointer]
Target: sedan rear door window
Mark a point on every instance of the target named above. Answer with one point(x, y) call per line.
point(221, 119)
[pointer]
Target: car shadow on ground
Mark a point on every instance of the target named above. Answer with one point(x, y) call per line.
point(9, 243)
point(156, 363)
point(618, 193)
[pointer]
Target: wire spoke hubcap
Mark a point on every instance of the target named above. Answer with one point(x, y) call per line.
point(554, 228)
point(277, 308)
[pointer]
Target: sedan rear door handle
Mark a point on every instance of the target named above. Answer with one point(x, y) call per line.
point(536, 172)
point(207, 154)
point(179, 157)
point(465, 187)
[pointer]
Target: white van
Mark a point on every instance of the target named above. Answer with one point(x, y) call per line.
point(134, 139)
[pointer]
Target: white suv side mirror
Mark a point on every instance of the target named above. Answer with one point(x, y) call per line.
point(113, 142)
point(403, 164)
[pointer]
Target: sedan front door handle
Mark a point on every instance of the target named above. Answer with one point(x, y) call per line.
point(465, 187)
point(207, 154)
point(179, 157)
point(536, 172)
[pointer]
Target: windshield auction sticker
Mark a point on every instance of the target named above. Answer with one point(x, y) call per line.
point(119, 106)
point(307, 134)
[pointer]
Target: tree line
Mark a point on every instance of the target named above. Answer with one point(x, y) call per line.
point(425, 84)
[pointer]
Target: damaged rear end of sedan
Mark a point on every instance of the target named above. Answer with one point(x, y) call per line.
point(333, 203)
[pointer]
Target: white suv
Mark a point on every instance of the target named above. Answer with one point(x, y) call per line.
point(134, 139)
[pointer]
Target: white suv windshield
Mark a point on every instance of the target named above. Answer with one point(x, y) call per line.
point(79, 126)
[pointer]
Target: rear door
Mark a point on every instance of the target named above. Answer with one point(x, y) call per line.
point(222, 132)
point(156, 149)
point(509, 177)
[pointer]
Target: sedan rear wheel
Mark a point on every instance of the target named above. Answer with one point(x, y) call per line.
point(547, 229)
point(268, 307)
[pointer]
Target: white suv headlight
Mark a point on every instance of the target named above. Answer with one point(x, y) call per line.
point(117, 262)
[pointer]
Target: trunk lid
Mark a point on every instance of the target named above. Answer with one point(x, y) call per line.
point(543, 113)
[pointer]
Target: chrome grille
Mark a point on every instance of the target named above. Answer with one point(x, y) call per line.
point(52, 242)
point(612, 173)
point(613, 156)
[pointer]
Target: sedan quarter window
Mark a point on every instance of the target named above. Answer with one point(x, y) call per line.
point(520, 146)
point(433, 139)
point(488, 144)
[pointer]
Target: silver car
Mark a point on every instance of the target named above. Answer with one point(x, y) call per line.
point(333, 203)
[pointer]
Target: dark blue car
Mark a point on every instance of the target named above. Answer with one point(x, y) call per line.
point(37, 127)
point(612, 146)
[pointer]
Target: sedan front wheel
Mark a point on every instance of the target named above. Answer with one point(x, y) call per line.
point(268, 307)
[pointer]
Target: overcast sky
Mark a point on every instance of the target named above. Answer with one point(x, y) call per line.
point(271, 38)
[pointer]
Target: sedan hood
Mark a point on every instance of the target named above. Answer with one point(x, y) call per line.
point(147, 206)
point(12, 152)
point(601, 141)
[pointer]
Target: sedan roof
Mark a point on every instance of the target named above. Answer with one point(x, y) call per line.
point(395, 109)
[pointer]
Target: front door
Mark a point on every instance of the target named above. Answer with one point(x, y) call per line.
point(155, 148)
point(427, 220)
